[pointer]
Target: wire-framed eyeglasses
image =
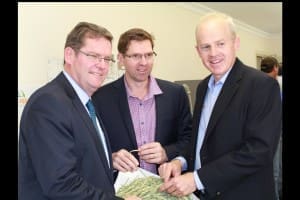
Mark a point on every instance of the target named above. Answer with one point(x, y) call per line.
point(96, 57)
point(138, 57)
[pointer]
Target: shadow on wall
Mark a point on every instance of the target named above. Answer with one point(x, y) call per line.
point(190, 87)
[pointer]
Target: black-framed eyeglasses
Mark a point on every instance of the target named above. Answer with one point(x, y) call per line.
point(138, 57)
point(95, 57)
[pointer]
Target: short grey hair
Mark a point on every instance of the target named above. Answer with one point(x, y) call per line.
point(219, 16)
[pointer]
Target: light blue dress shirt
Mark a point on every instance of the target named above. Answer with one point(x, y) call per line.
point(211, 96)
point(213, 91)
point(84, 99)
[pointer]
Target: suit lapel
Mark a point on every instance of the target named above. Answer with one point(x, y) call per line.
point(199, 103)
point(228, 90)
point(96, 138)
point(82, 113)
point(201, 90)
point(125, 111)
point(107, 145)
point(159, 112)
point(221, 103)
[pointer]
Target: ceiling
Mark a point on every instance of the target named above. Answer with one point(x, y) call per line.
point(264, 16)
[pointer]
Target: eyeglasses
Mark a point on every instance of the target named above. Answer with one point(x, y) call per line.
point(138, 57)
point(95, 57)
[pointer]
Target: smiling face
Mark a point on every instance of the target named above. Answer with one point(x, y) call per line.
point(216, 45)
point(88, 72)
point(140, 69)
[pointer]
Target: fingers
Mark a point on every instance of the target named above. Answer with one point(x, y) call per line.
point(176, 167)
point(165, 171)
point(133, 198)
point(169, 169)
point(167, 186)
point(124, 161)
point(152, 153)
point(179, 186)
point(150, 158)
point(172, 188)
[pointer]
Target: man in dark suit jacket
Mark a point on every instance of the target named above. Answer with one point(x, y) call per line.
point(61, 154)
point(236, 124)
point(142, 112)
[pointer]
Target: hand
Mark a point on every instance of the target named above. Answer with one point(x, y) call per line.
point(169, 169)
point(180, 185)
point(124, 161)
point(153, 153)
point(133, 198)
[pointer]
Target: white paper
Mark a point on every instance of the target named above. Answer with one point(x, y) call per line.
point(125, 178)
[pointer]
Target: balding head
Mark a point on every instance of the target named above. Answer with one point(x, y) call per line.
point(216, 18)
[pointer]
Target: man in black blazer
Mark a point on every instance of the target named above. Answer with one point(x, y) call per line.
point(236, 124)
point(61, 153)
point(141, 112)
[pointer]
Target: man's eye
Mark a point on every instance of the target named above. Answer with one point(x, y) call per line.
point(221, 44)
point(149, 55)
point(93, 56)
point(204, 48)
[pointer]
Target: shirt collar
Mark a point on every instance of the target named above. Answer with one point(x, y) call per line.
point(211, 82)
point(83, 96)
point(154, 88)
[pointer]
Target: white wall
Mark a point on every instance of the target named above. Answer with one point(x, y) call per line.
point(43, 27)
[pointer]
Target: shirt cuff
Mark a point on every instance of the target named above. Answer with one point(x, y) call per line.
point(183, 162)
point(198, 182)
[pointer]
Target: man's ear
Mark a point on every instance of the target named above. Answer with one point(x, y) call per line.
point(69, 54)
